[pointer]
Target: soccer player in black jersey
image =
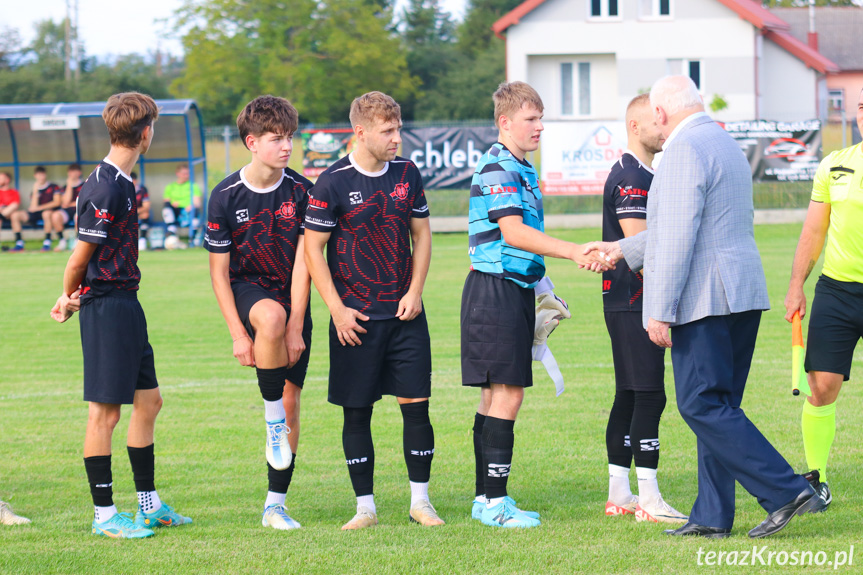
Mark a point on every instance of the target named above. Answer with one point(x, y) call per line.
point(101, 279)
point(369, 211)
point(142, 202)
point(44, 199)
point(255, 239)
point(639, 364)
point(68, 204)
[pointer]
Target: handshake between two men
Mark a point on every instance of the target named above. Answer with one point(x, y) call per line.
point(605, 255)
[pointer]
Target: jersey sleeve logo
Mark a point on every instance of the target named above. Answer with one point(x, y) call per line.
point(102, 215)
point(401, 191)
point(286, 210)
point(214, 226)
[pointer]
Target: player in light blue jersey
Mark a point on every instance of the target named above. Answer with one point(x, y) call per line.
point(502, 185)
point(507, 244)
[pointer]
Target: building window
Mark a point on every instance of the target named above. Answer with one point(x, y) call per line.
point(691, 68)
point(654, 9)
point(575, 89)
point(604, 9)
point(836, 99)
point(695, 72)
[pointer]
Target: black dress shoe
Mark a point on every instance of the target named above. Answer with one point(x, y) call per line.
point(695, 530)
point(777, 520)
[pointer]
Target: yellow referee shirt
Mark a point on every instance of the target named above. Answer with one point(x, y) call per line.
point(839, 182)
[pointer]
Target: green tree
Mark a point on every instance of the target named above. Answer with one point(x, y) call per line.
point(428, 36)
point(35, 73)
point(10, 48)
point(464, 93)
point(474, 33)
point(318, 54)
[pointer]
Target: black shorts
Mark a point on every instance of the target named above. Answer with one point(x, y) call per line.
point(639, 364)
point(247, 295)
point(70, 215)
point(118, 358)
point(35, 217)
point(394, 359)
point(497, 323)
point(835, 326)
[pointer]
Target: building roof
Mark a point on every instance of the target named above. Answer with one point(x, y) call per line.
point(839, 29)
point(774, 27)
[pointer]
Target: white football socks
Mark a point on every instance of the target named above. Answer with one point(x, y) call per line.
point(149, 501)
point(648, 488)
point(367, 501)
point(102, 514)
point(273, 498)
point(274, 410)
point(618, 484)
point(419, 492)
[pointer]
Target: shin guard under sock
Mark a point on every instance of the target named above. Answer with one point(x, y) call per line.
point(418, 440)
point(497, 444)
point(359, 449)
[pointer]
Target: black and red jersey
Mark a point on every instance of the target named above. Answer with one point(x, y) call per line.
point(625, 196)
point(76, 191)
point(141, 196)
point(260, 228)
point(47, 192)
point(369, 217)
point(106, 217)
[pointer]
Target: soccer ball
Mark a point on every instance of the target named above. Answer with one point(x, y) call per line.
point(172, 242)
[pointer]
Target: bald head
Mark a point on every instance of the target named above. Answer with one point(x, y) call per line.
point(642, 134)
point(637, 106)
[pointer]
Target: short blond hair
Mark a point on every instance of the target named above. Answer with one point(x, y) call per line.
point(374, 106)
point(510, 97)
point(126, 115)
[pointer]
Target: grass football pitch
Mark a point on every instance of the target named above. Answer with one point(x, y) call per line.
point(210, 435)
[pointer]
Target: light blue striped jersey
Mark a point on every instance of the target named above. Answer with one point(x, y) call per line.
point(502, 186)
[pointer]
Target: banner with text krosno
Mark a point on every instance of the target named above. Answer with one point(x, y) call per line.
point(577, 156)
point(447, 156)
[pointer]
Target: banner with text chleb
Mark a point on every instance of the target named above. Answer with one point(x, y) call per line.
point(447, 156)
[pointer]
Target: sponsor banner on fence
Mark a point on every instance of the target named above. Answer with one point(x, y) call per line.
point(779, 151)
point(447, 156)
point(322, 148)
point(577, 156)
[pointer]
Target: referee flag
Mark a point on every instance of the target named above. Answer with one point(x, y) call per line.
point(798, 375)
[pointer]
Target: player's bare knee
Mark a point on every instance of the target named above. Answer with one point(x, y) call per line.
point(269, 321)
point(103, 416)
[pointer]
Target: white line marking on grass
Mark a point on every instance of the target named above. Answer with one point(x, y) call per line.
point(184, 385)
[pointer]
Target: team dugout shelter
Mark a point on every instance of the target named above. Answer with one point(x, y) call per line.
point(56, 135)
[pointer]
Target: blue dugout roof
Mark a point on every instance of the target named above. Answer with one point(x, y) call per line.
point(179, 136)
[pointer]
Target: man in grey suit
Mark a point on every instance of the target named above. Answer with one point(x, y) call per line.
point(703, 280)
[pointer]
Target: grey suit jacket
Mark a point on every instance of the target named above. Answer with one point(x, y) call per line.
point(699, 253)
